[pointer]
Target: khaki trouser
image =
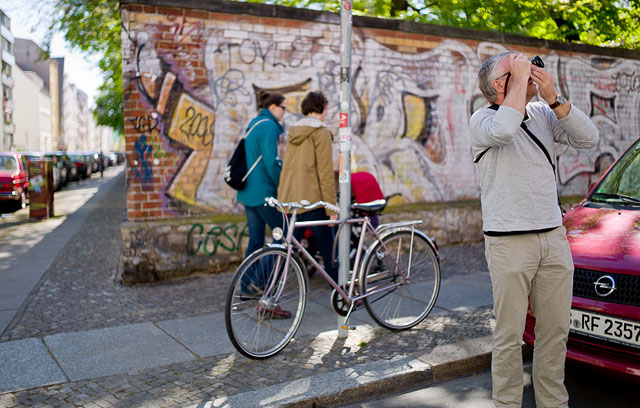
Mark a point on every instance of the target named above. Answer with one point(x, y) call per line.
point(535, 268)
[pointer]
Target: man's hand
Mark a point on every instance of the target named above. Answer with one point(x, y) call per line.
point(520, 68)
point(544, 80)
point(548, 91)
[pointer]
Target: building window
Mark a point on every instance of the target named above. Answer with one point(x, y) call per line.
point(7, 46)
point(6, 69)
point(6, 21)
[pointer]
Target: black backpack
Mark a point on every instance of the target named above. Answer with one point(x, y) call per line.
point(236, 173)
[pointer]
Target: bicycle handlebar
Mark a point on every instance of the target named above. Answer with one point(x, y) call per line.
point(304, 204)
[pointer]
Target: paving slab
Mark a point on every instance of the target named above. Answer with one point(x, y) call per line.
point(465, 293)
point(204, 335)
point(115, 350)
point(26, 364)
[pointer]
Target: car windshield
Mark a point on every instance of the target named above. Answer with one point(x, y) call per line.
point(622, 183)
point(8, 163)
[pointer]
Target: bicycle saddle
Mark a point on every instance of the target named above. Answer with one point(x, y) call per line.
point(372, 206)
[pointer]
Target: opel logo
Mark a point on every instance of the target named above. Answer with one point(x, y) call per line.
point(605, 285)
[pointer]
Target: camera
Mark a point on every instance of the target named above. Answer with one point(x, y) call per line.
point(537, 61)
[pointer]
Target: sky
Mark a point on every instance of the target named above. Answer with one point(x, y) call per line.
point(81, 69)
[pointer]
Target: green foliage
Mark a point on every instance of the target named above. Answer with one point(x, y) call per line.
point(614, 23)
point(94, 26)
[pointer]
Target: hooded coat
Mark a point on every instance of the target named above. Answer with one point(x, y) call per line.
point(263, 141)
point(307, 170)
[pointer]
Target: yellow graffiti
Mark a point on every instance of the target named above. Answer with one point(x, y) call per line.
point(415, 111)
point(192, 125)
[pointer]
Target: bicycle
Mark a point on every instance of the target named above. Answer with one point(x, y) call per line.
point(397, 280)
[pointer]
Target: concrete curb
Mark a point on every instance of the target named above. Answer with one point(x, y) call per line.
point(368, 380)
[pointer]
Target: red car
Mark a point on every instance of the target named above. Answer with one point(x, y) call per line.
point(604, 234)
point(14, 179)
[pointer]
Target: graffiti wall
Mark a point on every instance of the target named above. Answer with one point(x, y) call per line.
point(192, 77)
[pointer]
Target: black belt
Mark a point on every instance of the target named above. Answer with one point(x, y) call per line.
point(504, 233)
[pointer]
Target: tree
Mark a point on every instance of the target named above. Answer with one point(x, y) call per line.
point(93, 26)
point(614, 23)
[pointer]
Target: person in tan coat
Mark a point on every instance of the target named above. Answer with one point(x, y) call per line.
point(307, 172)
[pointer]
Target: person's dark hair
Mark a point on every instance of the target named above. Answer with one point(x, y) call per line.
point(314, 102)
point(266, 99)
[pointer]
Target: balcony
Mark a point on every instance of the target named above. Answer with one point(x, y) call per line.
point(9, 128)
point(8, 57)
point(7, 80)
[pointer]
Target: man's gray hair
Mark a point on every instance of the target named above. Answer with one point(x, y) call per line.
point(486, 75)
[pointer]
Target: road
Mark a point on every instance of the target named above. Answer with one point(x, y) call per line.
point(588, 388)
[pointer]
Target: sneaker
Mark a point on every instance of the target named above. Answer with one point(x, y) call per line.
point(275, 312)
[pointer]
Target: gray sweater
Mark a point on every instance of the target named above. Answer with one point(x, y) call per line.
point(519, 190)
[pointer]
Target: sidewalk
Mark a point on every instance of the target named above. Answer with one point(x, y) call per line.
point(72, 335)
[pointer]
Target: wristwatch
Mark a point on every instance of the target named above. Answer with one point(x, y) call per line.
point(559, 101)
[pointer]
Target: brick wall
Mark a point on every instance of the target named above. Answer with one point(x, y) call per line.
point(191, 76)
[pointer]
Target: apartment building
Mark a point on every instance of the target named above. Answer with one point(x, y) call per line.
point(30, 58)
point(7, 128)
point(32, 114)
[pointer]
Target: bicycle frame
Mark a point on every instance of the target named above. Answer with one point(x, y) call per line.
point(368, 228)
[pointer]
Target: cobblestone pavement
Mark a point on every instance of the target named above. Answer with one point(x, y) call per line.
point(80, 292)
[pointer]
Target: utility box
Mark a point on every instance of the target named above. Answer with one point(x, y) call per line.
point(40, 189)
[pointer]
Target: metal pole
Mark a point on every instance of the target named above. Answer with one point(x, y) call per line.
point(344, 133)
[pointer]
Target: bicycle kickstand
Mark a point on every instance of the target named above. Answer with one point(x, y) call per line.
point(346, 319)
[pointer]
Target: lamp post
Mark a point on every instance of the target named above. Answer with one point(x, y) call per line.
point(101, 156)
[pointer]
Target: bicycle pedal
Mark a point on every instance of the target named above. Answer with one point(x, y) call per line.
point(348, 327)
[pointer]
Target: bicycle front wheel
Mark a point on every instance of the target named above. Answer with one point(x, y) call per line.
point(402, 274)
point(265, 303)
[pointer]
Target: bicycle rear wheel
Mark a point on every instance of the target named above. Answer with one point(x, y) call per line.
point(402, 272)
point(265, 303)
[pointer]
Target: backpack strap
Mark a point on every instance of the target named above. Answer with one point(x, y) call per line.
point(248, 132)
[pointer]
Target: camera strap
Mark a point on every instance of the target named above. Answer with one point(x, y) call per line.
point(536, 141)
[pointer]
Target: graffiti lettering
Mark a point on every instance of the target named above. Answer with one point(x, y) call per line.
point(229, 239)
point(195, 124)
point(182, 30)
point(628, 81)
point(270, 54)
point(144, 124)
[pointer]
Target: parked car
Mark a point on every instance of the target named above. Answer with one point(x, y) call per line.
point(94, 159)
point(82, 165)
point(112, 158)
point(33, 156)
point(63, 162)
point(14, 179)
point(604, 234)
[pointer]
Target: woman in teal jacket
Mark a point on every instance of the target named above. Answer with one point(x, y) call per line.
point(263, 180)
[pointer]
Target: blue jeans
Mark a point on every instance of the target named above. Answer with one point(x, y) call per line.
point(323, 236)
point(257, 219)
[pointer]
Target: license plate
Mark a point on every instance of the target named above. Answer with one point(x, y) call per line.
point(606, 327)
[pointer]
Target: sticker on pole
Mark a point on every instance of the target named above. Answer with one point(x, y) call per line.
point(343, 172)
point(345, 139)
point(344, 120)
